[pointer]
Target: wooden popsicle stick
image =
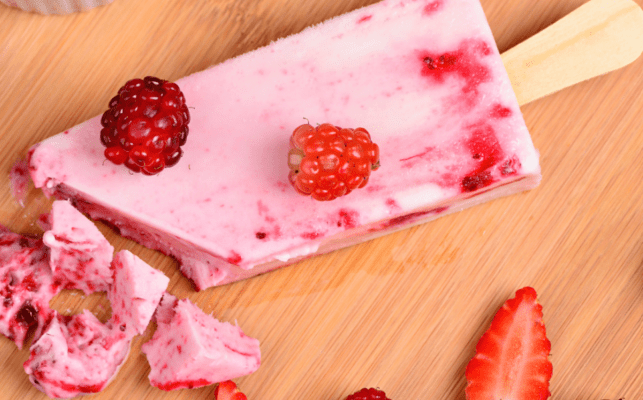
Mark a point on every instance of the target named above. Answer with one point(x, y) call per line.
point(598, 37)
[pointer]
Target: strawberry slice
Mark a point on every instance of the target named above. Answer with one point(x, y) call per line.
point(512, 357)
point(228, 391)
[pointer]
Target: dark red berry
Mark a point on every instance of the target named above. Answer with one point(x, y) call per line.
point(368, 394)
point(146, 125)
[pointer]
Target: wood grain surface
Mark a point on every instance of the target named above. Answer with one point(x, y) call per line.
point(402, 312)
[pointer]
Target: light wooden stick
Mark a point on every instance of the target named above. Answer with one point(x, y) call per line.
point(598, 37)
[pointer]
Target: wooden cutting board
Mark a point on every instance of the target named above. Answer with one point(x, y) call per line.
point(402, 312)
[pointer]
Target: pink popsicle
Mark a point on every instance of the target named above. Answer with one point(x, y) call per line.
point(424, 77)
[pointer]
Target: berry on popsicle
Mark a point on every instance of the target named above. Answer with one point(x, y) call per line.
point(146, 125)
point(328, 162)
point(228, 391)
point(512, 357)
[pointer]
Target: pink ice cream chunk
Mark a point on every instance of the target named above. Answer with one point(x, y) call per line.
point(80, 254)
point(424, 77)
point(26, 286)
point(136, 292)
point(76, 355)
point(192, 349)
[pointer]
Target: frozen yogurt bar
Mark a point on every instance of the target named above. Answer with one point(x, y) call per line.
point(424, 77)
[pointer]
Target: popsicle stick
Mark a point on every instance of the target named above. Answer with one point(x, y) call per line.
point(598, 37)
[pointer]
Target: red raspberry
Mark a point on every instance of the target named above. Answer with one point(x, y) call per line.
point(368, 394)
point(146, 125)
point(328, 162)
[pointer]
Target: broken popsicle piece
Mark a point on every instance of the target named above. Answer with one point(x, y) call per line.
point(81, 355)
point(192, 349)
point(80, 254)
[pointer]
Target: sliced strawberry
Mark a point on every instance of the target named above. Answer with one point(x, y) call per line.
point(512, 357)
point(228, 391)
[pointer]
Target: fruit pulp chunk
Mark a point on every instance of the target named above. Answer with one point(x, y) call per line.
point(424, 77)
